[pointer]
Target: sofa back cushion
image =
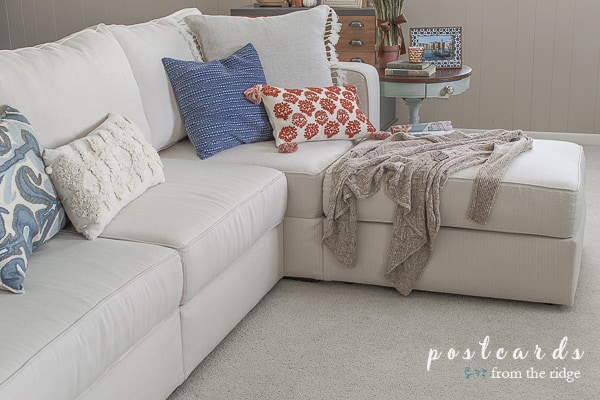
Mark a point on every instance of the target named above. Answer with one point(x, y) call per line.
point(291, 57)
point(66, 88)
point(145, 45)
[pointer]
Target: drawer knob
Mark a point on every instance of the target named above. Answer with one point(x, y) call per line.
point(356, 24)
point(448, 90)
point(357, 59)
point(357, 42)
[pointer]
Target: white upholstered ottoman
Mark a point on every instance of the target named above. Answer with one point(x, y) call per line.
point(530, 249)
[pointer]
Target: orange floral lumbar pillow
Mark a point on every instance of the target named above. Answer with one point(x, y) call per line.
point(300, 115)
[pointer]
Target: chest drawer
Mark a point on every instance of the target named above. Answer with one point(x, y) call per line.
point(357, 38)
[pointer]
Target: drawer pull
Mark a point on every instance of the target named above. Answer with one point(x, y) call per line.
point(448, 90)
point(357, 42)
point(357, 59)
point(356, 24)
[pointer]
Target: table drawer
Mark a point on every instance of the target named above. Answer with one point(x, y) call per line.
point(414, 90)
point(447, 89)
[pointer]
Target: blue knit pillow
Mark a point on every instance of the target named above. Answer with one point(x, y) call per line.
point(211, 99)
point(30, 211)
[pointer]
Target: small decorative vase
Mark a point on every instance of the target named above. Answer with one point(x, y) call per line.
point(296, 3)
point(387, 54)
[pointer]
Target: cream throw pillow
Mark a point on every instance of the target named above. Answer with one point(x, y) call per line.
point(291, 47)
point(96, 176)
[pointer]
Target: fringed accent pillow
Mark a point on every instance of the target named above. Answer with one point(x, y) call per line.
point(31, 212)
point(292, 47)
point(96, 176)
point(299, 115)
point(188, 36)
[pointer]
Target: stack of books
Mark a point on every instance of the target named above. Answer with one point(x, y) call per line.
point(405, 68)
point(424, 128)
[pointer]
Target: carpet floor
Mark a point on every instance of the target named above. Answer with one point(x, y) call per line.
point(326, 340)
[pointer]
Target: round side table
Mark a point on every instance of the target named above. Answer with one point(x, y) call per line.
point(414, 89)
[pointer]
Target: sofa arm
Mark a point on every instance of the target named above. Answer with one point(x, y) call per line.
point(366, 79)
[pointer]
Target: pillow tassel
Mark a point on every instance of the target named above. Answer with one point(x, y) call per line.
point(380, 135)
point(253, 94)
point(288, 147)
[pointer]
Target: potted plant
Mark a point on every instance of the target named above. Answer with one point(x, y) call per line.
point(389, 37)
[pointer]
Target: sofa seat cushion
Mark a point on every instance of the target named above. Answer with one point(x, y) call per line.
point(82, 312)
point(66, 88)
point(304, 168)
point(211, 213)
point(541, 193)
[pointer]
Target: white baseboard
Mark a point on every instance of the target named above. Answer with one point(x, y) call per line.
point(579, 138)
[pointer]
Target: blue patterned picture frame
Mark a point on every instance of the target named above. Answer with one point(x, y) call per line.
point(443, 45)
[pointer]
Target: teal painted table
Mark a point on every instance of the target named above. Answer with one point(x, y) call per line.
point(415, 89)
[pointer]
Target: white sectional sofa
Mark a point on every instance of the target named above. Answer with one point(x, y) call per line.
point(129, 315)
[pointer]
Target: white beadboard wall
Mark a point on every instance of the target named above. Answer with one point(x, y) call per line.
point(536, 63)
point(30, 22)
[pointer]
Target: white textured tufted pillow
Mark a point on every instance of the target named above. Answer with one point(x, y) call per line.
point(96, 176)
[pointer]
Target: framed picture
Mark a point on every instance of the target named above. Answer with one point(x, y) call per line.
point(443, 46)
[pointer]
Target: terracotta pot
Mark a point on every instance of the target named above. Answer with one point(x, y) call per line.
point(387, 54)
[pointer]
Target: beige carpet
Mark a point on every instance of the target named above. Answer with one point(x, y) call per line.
point(321, 340)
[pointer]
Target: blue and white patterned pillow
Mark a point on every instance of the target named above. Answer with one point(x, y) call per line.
point(211, 99)
point(30, 211)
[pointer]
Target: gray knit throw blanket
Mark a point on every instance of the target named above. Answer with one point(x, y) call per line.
point(414, 171)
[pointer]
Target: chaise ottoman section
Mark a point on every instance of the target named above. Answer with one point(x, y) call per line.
point(81, 315)
point(530, 249)
point(541, 193)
